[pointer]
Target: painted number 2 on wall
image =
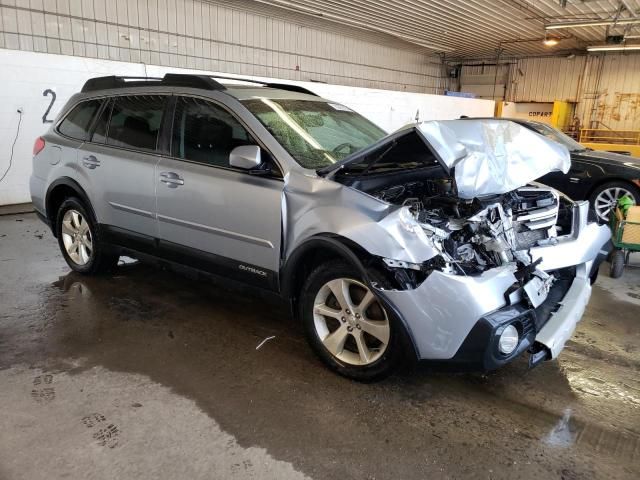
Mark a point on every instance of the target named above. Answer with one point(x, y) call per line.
point(47, 92)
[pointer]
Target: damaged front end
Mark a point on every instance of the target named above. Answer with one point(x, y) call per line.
point(488, 275)
point(476, 235)
point(509, 261)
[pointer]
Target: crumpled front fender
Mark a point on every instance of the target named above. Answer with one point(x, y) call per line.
point(316, 206)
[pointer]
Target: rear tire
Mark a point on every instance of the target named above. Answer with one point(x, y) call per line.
point(80, 239)
point(350, 330)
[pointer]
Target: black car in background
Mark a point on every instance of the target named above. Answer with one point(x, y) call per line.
point(597, 176)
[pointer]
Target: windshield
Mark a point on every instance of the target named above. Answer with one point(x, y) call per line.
point(556, 136)
point(315, 133)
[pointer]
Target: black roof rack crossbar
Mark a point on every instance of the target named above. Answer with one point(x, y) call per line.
point(169, 80)
point(205, 82)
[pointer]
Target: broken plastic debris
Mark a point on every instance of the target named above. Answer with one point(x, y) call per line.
point(264, 341)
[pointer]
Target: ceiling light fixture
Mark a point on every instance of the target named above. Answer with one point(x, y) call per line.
point(550, 42)
point(613, 48)
point(592, 23)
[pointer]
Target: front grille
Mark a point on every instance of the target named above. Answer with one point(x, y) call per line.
point(537, 218)
point(535, 215)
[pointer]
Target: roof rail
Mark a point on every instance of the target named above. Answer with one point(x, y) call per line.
point(205, 82)
point(291, 88)
point(103, 83)
point(281, 86)
point(169, 80)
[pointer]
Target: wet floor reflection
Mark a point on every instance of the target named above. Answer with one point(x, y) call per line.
point(563, 433)
point(578, 417)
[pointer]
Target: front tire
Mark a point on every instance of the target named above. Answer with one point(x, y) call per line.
point(80, 240)
point(348, 327)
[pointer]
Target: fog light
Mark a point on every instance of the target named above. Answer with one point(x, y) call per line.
point(508, 340)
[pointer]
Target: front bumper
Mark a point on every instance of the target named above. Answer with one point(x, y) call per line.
point(455, 318)
point(479, 351)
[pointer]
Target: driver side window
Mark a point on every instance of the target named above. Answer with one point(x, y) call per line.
point(206, 133)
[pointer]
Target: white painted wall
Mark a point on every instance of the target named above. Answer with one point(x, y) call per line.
point(24, 77)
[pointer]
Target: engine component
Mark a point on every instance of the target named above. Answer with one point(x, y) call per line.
point(478, 234)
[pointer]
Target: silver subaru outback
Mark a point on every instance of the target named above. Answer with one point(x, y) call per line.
point(433, 243)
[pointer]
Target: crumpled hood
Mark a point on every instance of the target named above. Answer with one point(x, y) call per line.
point(491, 157)
point(486, 156)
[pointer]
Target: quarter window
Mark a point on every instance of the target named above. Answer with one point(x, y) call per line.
point(206, 133)
point(135, 121)
point(100, 130)
point(77, 123)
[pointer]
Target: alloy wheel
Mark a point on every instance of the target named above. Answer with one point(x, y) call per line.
point(607, 199)
point(351, 322)
point(76, 237)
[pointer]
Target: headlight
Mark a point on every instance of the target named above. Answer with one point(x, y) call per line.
point(508, 340)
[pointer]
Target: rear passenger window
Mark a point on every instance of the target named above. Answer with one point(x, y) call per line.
point(206, 133)
point(78, 122)
point(135, 121)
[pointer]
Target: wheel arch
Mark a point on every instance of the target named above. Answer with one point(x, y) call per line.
point(314, 251)
point(606, 180)
point(58, 191)
point(326, 247)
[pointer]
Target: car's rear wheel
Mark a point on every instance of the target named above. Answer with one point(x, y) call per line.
point(80, 241)
point(606, 196)
point(348, 326)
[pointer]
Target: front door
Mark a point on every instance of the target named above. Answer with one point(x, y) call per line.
point(210, 215)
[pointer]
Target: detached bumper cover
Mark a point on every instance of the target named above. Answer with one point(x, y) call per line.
point(560, 327)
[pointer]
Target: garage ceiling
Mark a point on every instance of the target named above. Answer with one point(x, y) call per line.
point(476, 28)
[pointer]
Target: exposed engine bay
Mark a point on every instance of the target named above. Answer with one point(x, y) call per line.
point(465, 189)
point(475, 235)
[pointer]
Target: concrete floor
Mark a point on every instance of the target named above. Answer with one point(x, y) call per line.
point(147, 374)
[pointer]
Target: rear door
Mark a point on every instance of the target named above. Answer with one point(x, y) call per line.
point(213, 216)
point(62, 146)
point(118, 166)
point(75, 128)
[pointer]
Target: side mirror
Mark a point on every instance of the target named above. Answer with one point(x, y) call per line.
point(246, 157)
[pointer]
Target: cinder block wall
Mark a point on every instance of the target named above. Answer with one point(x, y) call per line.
point(241, 37)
